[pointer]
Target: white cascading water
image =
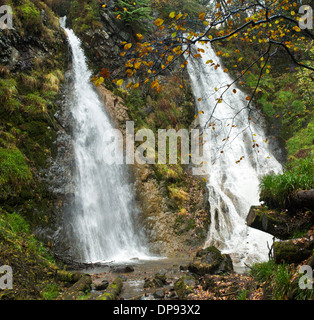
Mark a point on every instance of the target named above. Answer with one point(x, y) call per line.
point(104, 211)
point(233, 185)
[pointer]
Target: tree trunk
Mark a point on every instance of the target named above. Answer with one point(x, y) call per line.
point(303, 199)
point(113, 291)
point(78, 289)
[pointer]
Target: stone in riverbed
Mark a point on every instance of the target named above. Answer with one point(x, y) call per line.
point(184, 286)
point(102, 285)
point(122, 269)
point(210, 261)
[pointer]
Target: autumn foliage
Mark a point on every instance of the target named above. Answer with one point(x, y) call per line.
point(269, 26)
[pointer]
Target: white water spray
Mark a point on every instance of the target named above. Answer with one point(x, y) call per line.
point(233, 184)
point(105, 212)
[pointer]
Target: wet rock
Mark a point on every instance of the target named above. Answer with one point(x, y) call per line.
point(102, 285)
point(160, 280)
point(210, 261)
point(122, 269)
point(292, 251)
point(148, 283)
point(280, 223)
point(159, 294)
point(184, 286)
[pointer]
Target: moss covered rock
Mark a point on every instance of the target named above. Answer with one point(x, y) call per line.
point(292, 251)
point(184, 286)
point(210, 261)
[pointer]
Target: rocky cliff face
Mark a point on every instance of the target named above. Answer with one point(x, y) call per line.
point(32, 64)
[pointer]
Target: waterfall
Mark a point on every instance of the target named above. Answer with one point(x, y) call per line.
point(238, 155)
point(104, 214)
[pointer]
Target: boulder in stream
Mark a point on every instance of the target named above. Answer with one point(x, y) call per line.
point(210, 261)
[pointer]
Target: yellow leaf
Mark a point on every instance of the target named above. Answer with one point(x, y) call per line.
point(172, 14)
point(99, 81)
point(296, 28)
point(170, 58)
point(154, 84)
point(119, 82)
point(139, 36)
point(129, 85)
point(127, 46)
point(178, 16)
point(240, 59)
point(159, 22)
point(137, 65)
point(201, 15)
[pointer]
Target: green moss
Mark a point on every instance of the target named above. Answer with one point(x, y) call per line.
point(112, 291)
point(30, 16)
point(276, 189)
point(32, 265)
point(302, 139)
point(14, 172)
point(50, 291)
point(8, 95)
point(84, 15)
point(184, 286)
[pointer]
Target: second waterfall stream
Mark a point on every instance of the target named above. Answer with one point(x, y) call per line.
point(104, 211)
point(237, 154)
